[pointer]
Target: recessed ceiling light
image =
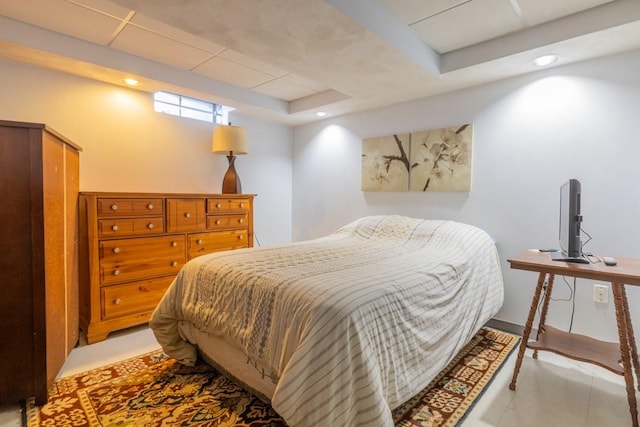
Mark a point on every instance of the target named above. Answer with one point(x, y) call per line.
point(321, 114)
point(543, 60)
point(131, 82)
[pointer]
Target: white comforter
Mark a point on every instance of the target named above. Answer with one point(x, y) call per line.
point(352, 324)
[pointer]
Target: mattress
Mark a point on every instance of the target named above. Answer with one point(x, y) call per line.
point(345, 327)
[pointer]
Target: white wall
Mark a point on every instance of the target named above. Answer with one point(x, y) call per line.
point(129, 147)
point(531, 134)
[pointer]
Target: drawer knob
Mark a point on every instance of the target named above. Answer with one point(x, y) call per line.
point(187, 215)
point(217, 222)
point(150, 226)
point(114, 207)
point(174, 244)
point(116, 250)
point(241, 220)
point(143, 289)
point(114, 227)
point(150, 206)
point(199, 241)
point(241, 237)
point(241, 205)
point(218, 205)
point(117, 301)
point(116, 272)
point(174, 263)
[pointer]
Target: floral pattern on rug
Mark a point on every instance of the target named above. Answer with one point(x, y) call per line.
point(445, 401)
point(152, 390)
point(155, 390)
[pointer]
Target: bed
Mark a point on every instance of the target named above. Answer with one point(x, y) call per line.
point(340, 330)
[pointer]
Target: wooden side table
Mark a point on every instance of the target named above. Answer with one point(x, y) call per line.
point(581, 347)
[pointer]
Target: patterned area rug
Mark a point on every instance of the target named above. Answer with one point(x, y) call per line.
point(155, 390)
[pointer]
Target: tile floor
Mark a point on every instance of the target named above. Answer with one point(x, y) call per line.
point(552, 391)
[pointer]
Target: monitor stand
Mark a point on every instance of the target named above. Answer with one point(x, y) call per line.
point(562, 256)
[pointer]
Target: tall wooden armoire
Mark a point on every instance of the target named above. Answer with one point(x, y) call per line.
point(39, 172)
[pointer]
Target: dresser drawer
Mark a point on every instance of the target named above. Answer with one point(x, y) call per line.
point(226, 205)
point(222, 222)
point(184, 215)
point(133, 244)
point(205, 243)
point(129, 207)
point(130, 226)
point(133, 298)
point(130, 259)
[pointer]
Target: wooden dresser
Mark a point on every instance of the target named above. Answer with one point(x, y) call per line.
point(39, 263)
point(134, 244)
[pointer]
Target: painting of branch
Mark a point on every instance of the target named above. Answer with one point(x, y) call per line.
point(385, 163)
point(432, 160)
point(441, 159)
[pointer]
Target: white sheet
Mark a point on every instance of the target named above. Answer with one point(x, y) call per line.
point(350, 325)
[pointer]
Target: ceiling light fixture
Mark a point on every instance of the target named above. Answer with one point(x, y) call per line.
point(321, 114)
point(543, 60)
point(131, 82)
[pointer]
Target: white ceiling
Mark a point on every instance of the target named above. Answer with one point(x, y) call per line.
point(284, 60)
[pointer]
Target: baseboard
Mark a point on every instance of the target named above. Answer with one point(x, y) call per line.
point(512, 328)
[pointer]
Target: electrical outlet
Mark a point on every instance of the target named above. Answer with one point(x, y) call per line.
point(601, 294)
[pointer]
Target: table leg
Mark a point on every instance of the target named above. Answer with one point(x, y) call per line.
point(623, 333)
point(630, 333)
point(545, 308)
point(527, 330)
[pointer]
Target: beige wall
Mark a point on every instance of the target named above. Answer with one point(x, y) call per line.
point(129, 147)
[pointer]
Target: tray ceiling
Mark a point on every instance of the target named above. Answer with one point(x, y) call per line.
point(285, 60)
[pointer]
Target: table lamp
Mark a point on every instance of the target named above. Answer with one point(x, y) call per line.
point(232, 141)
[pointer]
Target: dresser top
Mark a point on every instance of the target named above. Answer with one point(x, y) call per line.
point(164, 195)
point(41, 126)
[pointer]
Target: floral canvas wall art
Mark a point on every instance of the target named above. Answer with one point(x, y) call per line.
point(431, 160)
point(441, 159)
point(385, 163)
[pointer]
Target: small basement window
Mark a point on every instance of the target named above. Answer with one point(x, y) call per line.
point(184, 106)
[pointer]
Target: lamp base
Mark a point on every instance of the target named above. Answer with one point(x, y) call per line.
point(231, 181)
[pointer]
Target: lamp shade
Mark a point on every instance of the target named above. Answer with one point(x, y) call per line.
point(227, 138)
